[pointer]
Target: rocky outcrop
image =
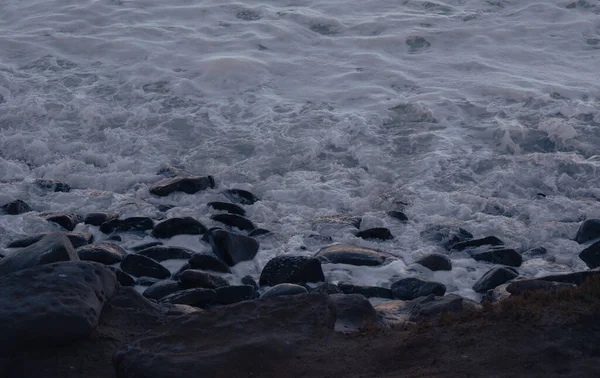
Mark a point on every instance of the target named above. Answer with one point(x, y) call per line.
point(291, 269)
point(411, 288)
point(435, 262)
point(103, 253)
point(354, 255)
point(178, 226)
point(494, 277)
point(185, 184)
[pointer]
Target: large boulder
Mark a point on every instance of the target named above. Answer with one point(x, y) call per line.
point(354, 312)
point(291, 269)
point(494, 277)
point(142, 266)
point(505, 256)
point(51, 248)
point(283, 289)
point(240, 196)
point(228, 207)
point(208, 261)
point(166, 252)
point(589, 230)
point(185, 184)
point(191, 278)
point(52, 305)
point(488, 240)
point(435, 262)
point(78, 239)
point(178, 226)
point(411, 288)
point(65, 220)
point(591, 255)
point(354, 255)
point(367, 291)
point(103, 253)
point(16, 207)
point(232, 248)
point(97, 218)
point(127, 224)
point(234, 220)
point(445, 235)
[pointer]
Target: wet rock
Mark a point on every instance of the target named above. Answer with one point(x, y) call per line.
point(65, 220)
point(411, 288)
point(576, 278)
point(178, 226)
point(445, 235)
point(232, 248)
point(123, 278)
point(283, 289)
point(591, 255)
point(226, 206)
point(398, 215)
point(341, 219)
point(535, 252)
point(527, 286)
point(327, 288)
point(51, 248)
point(185, 184)
point(506, 256)
point(57, 304)
point(103, 253)
point(353, 255)
point(489, 240)
point(258, 232)
point(97, 218)
point(165, 252)
point(141, 247)
point(16, 207)
point(53, 185)
point(367, 291)
point(354, 312)
point(589, 230)
point(435, 262)
point(161, 289)
point(291, 269)
point(192, 278)
point(139, 266)
point(127, 224)
point(117, 238)
point(191, 297)
point(233, 220)
point(494, 277)
point(77, 239)
point(248, 280)
point(146, 281)
point(233, 294)
point(241, 196)
point(205, 261)
point(375, 233)
point(164, 209)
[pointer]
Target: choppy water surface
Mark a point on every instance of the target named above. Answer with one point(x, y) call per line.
point(463, 109)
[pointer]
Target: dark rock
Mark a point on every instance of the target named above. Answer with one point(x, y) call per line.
point(494, 277)
point(77, 239)
point(65, 220)
point(411, 288)
point(589, 230)
point(161, 289)
point(527, 286)
point(127, 224)
point(172, 171)
point(535, 252)
point(435, 262)
point(103, 253)
point(184, 267)
point(233, 248)
point(165, 252)
point(500, 256)
point(165, 208)
point(129, 298)
point(232, 294)
point(400, 312)
point(206, 237)
point(191, 297)
point(141, 247)
point(177, 226)
point(226, 206)
point(115, 238)
point(353, 312)
point(16, 207)
point(205, 261)
point(398, 215)
point(51, 248)
point(185, 184)
point(53, 185)
point(241, 196)
point(192, 278)
point(234, 221)
point(353, 255)
point(367, 291)
point(576, 278)
point(258, 232)
point(97, 218)
point(327, 288)
point(341, 219)
point(53, 304)
point(283, 289)
point(178, 309)
point(375, 233)
point(445, 235)
point(123, 278)
point(248, 280)
point(488, 240)
point(139, 266)
point(291, 269)
point(146, 281)
point(591, 255)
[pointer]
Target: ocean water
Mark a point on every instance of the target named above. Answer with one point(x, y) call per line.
point(455, 112)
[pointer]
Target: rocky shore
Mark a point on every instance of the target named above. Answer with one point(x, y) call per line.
point(72, 306)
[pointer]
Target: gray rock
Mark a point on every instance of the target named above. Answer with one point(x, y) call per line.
point(241, 196)
point(206, 261)
point(506, 256)
point(591, 255)
point(376, 233)
point(97, 218)
point(291, 269)
point(103, 253)
point(191, 278)
point(398, 215)
point(185, 184)
point(234, 220)
point(435, 262)
point(354, 312)
point(367, 291)
point(77, 239)
point(191, 297)
point(139, 266)
point(494, 277)
point(354, 255)
point(65, 220)
point(445, 235)
point(228, 207)
point(411, 288)
point(576, 278)
point(283, 289)
point(589, 230)
point(16, 207)
point(178, 226)
point(161, 289)
point(232, 248)
point(165, 252)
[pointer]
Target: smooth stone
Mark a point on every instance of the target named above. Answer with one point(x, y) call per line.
point(258, 232)
point(283, 289)
point(367, 291)
point(53, 185)
point(291, 269)
point(141, 247)
point(233, 248)
point(353, 255)
point(77, 239)
point(178, 226)
point(123, 278)
point(353, 312)
point(65, 220)
point(161, 289)
point(411, 288)
point(528, 286)
point(191, 297)
point(248, 280)
point(240, 196)
point(327, 288)
point(435, 262)
point(205, 261)
point(117, 238)
point(99, 217)
point(445, 235)
point(103, 253)
point(185, 184)
point(506, 256)
point(142, 266)
point(127, 224)
point(166, 252)
point(488, 240)
point(576, 278)
point(16, 207)
point(375, 233)
point(233, 220)
point(398, 215)
point(226, 206)
point(233, 294)
point(192, 278)
point(589, 230)
point(494, 277)
point(591, 255)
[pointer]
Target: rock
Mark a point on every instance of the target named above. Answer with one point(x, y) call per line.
point(191, 297)
point(393, 313)
point(445, 235)
point(97, 218)
point(141, 247)
point(241, 196)
point(127, 224)
point(185, 184)
point(232, 248)
point(233, 220)
point(277, 329)
point(172, 171)
point(16, 207)
point(103, 253)
point(192, 278)
point(115, 238)
point(233, 294)
point(146, 281)
point(65, 220)
point(178, 226)
point(411, 288)
point(535, 252)
point(375, 233)
point(494, 277)
point(576, 278)
point(229, 207)
point(178, 309)
point(206, 261)
point(291, 269)
point(528, 286)
point(283, 289)
point(435, 262)
point(258, 232)
point(354, 312)
point(341, 219)
point(591, 255)
point(139, 266)
point(164, 209)
point(488, 240)
point(397, 215)
point(123, 278)
point(367, 291)
point(327, 288)
point(589, 230)
point(56, 304)
point(248, 280)
point(53, 185)
point(77, 239)
point(353, 255)
point(506, 256)
point(161, 289)
point(431, 306)
point(166, 252)
point(130, 298)
point(51, 248)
